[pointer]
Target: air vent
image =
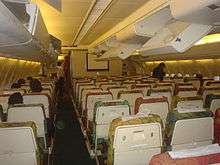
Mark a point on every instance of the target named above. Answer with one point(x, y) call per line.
point(214, 7)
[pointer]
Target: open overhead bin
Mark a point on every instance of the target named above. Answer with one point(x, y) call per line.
point(177, 35)
point(199, 11)
point(23, 33)
point(132, 37)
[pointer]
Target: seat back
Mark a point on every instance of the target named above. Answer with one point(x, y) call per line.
point(133, 141)
point(91, 99)
point(131, 97)
point(193, 102)
point(80, 88)
point(4, 101)
point(186, 91)
point(128, 84)
point(77, 88)
point(29, 112)
point(11, 91)
point(162, 92)
point(39, 98)
point(105, 86)
point(83, 96)
point(217, 126)
point(212, 102)
point(143, 87)
point(105, 112)
point(212, 83)
point(148, 105)
point(115, 90)
point(18, 144)
point(209, 90)
point(187, 130)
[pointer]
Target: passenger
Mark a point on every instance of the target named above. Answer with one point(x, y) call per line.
point(159, 71)
point(15, 98)
point(35, 85)
point(29, 79)
point(15, 86)
point(21, 81)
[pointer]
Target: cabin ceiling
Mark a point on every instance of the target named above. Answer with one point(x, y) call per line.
point(66, 24)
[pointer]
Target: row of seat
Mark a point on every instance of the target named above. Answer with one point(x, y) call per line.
point(25, 133)
point(158, 122)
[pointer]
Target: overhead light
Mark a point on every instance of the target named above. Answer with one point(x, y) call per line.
point(212, 38)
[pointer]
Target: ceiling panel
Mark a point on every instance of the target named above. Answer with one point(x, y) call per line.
point(118, 11)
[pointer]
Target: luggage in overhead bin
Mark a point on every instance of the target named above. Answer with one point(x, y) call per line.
point(133, 140)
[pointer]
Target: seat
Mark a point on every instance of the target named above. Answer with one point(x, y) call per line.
point(159, 92)
point(11, 91)
point(82, 106)
point(188, 128)
point(186, 91)
point(143, 87)
point(30, 112)
point(133, 140)
point(212, 101)
point(196, 82)
point(115, 90)
point(217, 126)
point(91, 99)
point(157, 105)
point(212, 83)
point(40, 98)
point(128, 84)
point(130, 96)
point(205, 155)
point(100, 81)
point(76, 93)
point(104, 113)
point(80, 88)
point(19, 144)
point(165, 85)
point(104, 86)
point(4, 102)
point(209, 90)
point(181, 102)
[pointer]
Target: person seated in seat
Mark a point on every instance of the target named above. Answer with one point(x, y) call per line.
point(21, 81)
point(15, 86)
point(35, 86)
point(29, 79)
point(15, 98)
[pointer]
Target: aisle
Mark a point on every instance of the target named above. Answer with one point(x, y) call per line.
point(69, 145)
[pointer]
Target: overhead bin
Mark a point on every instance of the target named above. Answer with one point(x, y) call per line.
point(199, 11)
point(122, 51)
point(175, 37)
point(23, 33)
point(132, 37)
point(175, 28)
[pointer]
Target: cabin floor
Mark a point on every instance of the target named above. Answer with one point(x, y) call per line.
point(69, 143)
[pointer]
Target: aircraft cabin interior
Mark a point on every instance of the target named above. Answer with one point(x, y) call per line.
point(109, 82)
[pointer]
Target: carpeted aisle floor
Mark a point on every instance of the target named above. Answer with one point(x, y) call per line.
point(69, 144)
